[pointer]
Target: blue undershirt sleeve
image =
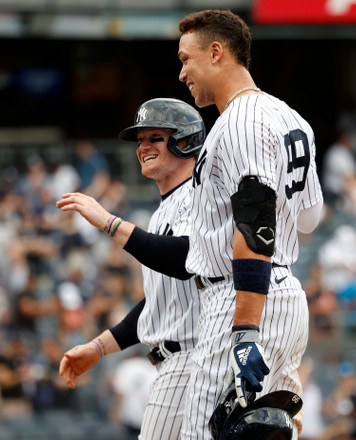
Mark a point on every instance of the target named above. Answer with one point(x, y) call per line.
point(125, 332)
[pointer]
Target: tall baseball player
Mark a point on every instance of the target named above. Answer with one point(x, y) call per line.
point(169, 134)
point(255, 186)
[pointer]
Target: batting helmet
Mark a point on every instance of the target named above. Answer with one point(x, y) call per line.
point(267, 418)
point(170, 113)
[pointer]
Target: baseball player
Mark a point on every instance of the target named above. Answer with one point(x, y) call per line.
point(169, 134)
point(255, 185)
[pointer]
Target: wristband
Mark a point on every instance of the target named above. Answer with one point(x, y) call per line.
point(116, 223)
point(238, 328)
point(109, 223)
point(112, 224)
point(249, 336)
point(99, 348)
point(251, 275)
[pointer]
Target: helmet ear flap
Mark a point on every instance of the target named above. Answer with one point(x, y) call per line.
point(191, 144)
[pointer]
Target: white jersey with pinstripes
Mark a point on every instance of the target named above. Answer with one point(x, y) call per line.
point(257, 135)
point(172, 306)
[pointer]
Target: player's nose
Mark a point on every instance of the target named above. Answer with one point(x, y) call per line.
point(143, 147)
point(182, 75)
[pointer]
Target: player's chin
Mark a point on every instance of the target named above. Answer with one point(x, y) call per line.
point(201, 102)
point(148, 170)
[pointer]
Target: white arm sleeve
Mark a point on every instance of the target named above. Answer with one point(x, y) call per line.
point(308, 219)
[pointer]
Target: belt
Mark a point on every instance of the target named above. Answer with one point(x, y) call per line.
point(155, 355)
point(202, 282)
point(279, 265)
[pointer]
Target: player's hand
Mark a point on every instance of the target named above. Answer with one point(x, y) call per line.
point(248, 363)
point(87, 206)
point(77, 361)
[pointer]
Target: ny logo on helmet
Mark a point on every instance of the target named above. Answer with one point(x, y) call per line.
point(141, 114)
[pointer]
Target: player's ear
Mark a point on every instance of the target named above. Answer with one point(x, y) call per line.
point(216, 51)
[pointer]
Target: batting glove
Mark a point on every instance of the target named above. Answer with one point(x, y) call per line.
point(248, 363)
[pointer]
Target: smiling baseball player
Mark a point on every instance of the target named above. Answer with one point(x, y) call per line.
point(169, 134)
point(254, 186)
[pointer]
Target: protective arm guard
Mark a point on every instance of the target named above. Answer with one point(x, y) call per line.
point(254, 211)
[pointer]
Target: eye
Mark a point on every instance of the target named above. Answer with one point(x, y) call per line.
point(184, 60)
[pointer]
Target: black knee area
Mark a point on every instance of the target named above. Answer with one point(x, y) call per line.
point(254, 211)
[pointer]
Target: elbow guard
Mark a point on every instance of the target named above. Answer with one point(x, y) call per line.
point(254, 211)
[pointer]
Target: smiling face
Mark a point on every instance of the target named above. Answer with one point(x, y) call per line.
point(196, 69)
point(157, 162)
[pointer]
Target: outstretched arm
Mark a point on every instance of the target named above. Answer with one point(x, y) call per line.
point(82, 358)
point(161, 253)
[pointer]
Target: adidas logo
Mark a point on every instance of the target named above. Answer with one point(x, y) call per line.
point(243, 354)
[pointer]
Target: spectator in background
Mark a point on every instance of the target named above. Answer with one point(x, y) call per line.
point(92, 167)
point(349, 200)
point(337, 258)
point(313, 423)
point(62, 176)
point(340, 406)
point(30, 307)
point(5, 310)
point(40, 250)
point(14, 366)
point(33, 181)
point(109, 303)
point(131, 383)
point(339, 161)
point(16, 269)
point(322, 305)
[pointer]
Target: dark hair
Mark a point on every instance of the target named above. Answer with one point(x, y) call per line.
point(220, 25)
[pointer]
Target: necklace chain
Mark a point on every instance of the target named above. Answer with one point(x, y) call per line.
point(238, 93)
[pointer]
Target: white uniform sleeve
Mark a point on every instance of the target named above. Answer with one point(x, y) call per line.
point(308, 219)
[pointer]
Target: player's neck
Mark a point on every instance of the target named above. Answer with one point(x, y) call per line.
point(238, 79)
point(176, 178)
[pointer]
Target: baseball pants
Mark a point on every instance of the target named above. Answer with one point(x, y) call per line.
point(164, 412)
point(284, 332)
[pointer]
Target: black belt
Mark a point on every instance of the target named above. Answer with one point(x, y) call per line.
point(155, 356)
point(279, 265)
point(200, 283)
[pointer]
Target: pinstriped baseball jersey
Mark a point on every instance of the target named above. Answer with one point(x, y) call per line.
point(172, 306)
point(256, 135)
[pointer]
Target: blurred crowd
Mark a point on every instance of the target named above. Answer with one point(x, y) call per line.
point(327, 268)
point(63, 281)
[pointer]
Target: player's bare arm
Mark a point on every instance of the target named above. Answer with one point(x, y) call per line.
point(80, 359)
point(83, 357)
point(162, 253)
point(95, 214)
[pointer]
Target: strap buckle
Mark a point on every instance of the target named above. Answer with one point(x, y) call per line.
point(155, 356)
